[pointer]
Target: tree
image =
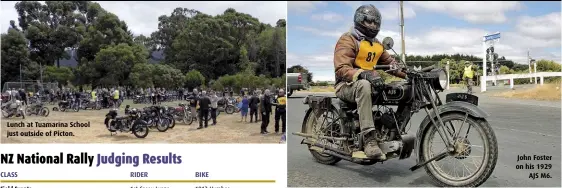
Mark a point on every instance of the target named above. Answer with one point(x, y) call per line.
point(14, 54)
point(140, 76)
point(505, 70)
point(167, 77)
point(51, 28)
point(115, 63)
point(62, 75)
point(194, 79)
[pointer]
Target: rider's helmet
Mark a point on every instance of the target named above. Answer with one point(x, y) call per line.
point(367, 20)
point(281, 93)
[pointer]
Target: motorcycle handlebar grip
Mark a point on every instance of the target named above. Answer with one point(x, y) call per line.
point(381, 67)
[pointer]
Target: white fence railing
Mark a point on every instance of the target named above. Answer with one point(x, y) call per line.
point(510, 77)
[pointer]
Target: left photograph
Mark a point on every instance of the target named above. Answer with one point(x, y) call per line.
point(155, 72)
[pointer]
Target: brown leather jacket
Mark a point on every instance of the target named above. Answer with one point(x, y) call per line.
point(344, 60)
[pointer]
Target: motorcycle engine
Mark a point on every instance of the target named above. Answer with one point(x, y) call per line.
point(385, 124)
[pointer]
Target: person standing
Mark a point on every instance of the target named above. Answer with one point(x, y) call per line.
point(265, 111)
point(280, 111)
point(214, 106)
point(204, 104)
point(23, 96)
point(254, 104)
point(116, 98)
point(193, 102)
point(260, 100)
point(468, 75)
point(244, 109)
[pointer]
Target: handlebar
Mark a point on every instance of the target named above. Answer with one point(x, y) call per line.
point(426, 69)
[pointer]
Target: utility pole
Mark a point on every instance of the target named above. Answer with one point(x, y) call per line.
point(402, 31)
point(21, 83)
point(529, 62)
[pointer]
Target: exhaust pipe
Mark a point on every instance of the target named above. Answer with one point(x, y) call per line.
point(334, 152)
point(325, 147)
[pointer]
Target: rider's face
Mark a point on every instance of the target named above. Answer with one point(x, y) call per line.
point(371, 25)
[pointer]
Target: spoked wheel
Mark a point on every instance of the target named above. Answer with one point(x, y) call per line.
point(320, 123)
point(162, 124)
point(172, 121)
point(474, 158)
point(229, 109)
point(29, 110)
point(189, 118)
point(184, 118)
point(140, 131)
point(44, 111)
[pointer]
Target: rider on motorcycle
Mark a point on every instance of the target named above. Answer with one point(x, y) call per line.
point(355, 55)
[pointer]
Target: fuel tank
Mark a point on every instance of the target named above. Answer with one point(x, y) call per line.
point(395, 93)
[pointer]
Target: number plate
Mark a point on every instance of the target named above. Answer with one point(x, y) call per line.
point(465, 97)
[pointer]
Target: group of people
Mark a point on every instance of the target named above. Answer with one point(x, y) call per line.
point(260, 107)
point(12, 94)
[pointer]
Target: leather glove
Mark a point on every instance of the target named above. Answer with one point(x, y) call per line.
point(376, 81)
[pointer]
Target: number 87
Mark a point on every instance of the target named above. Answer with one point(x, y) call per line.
point(370, 56)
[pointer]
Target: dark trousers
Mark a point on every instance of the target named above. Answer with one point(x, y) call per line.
point(280, 115)
point(214, 115)
point(153, 100)
point(203, 113)
point(253, 113)
point(264, 121)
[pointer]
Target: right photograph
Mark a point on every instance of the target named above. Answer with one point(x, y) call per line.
point(410, 94)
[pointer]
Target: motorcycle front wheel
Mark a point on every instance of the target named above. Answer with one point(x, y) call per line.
point(45, 111)
point(163, 124)
point(189, 117)
point(466, 150)
point(229, 109)
point(172, 121)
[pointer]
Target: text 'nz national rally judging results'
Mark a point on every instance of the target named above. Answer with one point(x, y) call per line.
point(90, 160)
point(53, 133)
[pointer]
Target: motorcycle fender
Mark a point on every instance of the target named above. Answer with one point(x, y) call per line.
point(454, 106)
point(307, 113)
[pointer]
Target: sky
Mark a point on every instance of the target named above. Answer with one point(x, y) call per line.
point(142, 16)
point(430, 28)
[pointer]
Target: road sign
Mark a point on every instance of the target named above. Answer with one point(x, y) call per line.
point(491, 37)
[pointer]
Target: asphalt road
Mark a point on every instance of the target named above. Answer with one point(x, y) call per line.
point(521, 127)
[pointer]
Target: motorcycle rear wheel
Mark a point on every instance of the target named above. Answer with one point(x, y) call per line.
point(140, 131)
point(308, 128)
point(490, 154)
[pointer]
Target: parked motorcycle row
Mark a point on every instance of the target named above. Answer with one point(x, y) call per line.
point(162, 118)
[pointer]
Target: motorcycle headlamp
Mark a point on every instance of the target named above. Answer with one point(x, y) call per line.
point(439, 79)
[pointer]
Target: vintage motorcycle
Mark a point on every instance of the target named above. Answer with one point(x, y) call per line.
point(181, 113)
point(88, 103)
point(131, 121)
point(37, 109)
point(225, 105)
point(67, 104)
point(156, 117)
point(337, 135)
point(13, 109)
